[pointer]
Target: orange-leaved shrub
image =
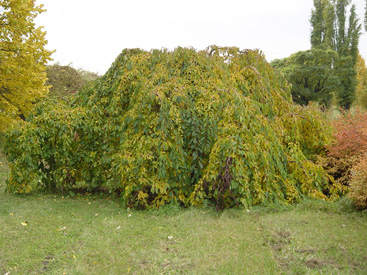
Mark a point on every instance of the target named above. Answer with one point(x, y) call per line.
point(350, 134)
point(346, 159)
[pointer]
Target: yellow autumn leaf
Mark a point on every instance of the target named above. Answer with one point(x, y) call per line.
point(24, 223)
point(61, 229)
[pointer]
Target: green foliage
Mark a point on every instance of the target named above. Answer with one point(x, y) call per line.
point(312, 75)
point(346, 72)
point(45, 152)
point(215, 126)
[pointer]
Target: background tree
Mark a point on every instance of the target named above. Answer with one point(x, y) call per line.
point(311, 74)
point(22, 60)
point(332, 29)
point(322, 24)
point(88, 76)
point(65, 80)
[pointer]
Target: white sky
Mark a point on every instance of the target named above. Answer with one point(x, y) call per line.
point(90, 34)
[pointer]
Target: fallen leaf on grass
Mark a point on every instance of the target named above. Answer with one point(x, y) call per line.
point(61, 229)
point(24, 223)
point(11, 214)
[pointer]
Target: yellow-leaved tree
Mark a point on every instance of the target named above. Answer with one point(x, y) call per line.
point(361, 90)
point(22, 60)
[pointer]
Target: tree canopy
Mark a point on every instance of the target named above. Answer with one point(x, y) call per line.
point(22, 60)
point(311, 74)
point(215, 126)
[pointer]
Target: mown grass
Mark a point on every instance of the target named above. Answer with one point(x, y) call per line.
point(94, 235)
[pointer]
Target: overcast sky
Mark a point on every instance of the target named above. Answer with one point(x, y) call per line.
point(91, 33)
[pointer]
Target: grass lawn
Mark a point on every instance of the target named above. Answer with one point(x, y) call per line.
point(48, 234)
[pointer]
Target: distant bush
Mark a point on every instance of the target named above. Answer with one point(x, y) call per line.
point(210, 127)
point(65, 80)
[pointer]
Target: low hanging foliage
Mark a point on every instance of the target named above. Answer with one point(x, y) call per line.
point(215, 126)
